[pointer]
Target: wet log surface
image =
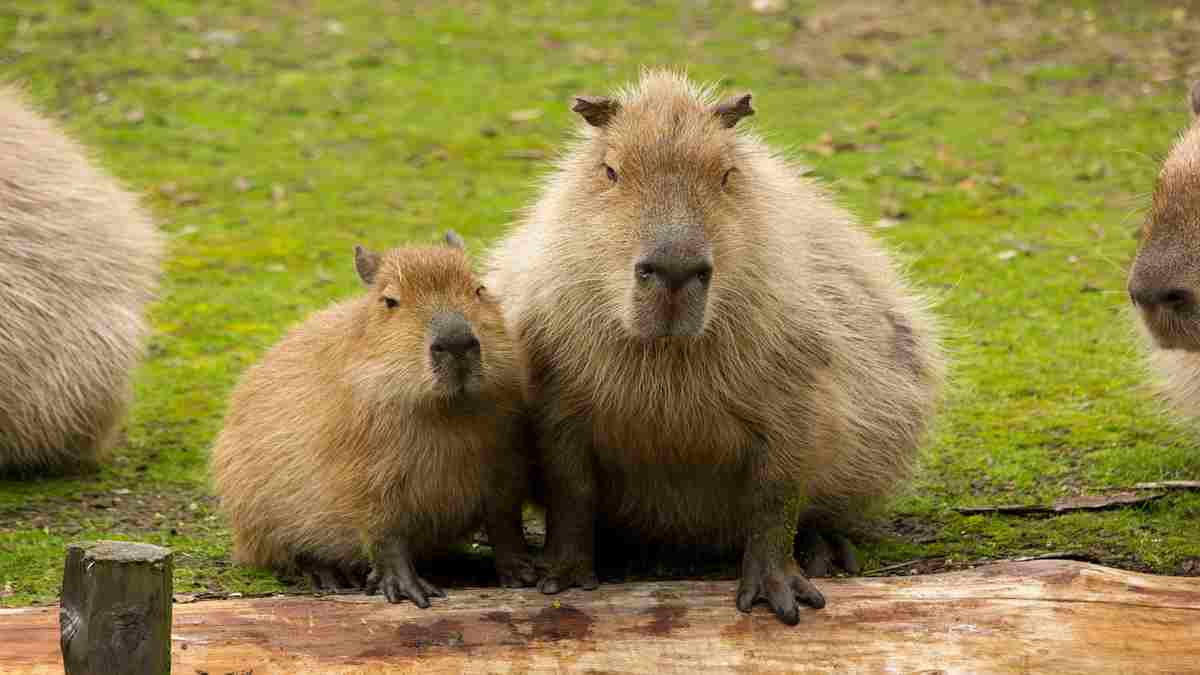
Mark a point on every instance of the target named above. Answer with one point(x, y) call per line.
point(1038, 616)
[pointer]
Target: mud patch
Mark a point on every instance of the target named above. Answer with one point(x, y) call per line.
point(505, 619)
point(664, 620)
point(561, 623)
point(414, 637)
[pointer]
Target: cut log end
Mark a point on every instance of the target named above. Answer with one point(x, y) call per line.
point(122, 552)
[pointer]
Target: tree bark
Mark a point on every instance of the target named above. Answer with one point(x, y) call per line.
point(116, 609)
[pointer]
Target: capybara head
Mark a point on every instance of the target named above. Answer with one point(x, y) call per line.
point(660, 194)
point(430, 324)
point(1165, 280)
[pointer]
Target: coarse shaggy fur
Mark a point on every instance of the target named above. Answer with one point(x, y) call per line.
point(812, 343)
point(1169, 258)
point(341, 435)
point(79, 261)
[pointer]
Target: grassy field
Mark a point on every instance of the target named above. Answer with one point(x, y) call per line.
point(1005, 148)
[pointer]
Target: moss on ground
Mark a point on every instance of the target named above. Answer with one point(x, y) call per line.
point(1005, 148)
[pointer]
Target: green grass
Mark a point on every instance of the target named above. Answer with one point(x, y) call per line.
point(269, 137)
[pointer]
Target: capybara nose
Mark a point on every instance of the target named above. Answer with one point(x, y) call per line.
point(675, 272)
point(1173, 299)
point(452, 336)
point(456, 345)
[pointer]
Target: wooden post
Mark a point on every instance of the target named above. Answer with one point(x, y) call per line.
point(115, 615)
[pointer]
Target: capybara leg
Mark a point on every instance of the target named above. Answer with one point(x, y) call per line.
point(570, 555)
point(514, 566)
point(824, 551)
point(355, 573)
point(769, 569)
point(502, 518)
point(394, 574)
point(326, 576)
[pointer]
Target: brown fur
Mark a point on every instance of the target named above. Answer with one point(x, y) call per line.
point(78, 264)
point(1168, 259)
point(813, 364)
point(343, 436)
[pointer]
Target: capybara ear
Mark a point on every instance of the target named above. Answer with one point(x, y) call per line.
point(366, 262)
point(453, 240)
point(1196, 98)
point(732, 110)
point(597, 111)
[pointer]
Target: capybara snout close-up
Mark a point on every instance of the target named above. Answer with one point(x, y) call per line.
point(454, 352)
point(1164, 282)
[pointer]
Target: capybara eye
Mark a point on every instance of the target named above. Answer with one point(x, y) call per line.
point(612, 174)
point(391, 303)
point(479, 292)
point(725, 178)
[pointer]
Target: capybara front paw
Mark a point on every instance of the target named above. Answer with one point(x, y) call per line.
point(396, 587)
point(558, 576)
point(782, 586)
point(516, 571)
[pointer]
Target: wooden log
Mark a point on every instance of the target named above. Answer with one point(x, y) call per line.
point(116, 609)
point(1037, 616)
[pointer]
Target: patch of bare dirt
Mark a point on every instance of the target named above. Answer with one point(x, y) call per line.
point(1131, 47)
point(119, 511)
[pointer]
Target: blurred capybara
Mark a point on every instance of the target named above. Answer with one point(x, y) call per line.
point(79, 261)
point(382, 428)
point(717, 353)
point(1164, 283)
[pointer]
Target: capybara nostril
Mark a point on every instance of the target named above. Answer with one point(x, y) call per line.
point(675, 273)
point(1174, 299)
point(1177, 299)
point(457, 345)
point(452, 335)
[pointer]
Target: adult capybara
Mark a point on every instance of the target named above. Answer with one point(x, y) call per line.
point(717, 353)
point(79, 261)
point(1164, 283)
point(382, 428)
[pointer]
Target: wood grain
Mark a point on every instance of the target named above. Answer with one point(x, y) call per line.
point(1038, 616)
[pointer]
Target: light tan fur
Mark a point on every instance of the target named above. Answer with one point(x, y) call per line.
point(342, 436)
point(79, 261)
point(1178, 376)
point(1169, 258)
point(812, 343)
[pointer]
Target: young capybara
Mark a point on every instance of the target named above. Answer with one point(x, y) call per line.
point(382, 428)
point(717, 353)
point(1164, 282)
point(79, 261)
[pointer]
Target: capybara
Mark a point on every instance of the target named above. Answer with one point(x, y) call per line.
point(381, 429)
point(717, 353)
point(79, 261)
point(1164, 282)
